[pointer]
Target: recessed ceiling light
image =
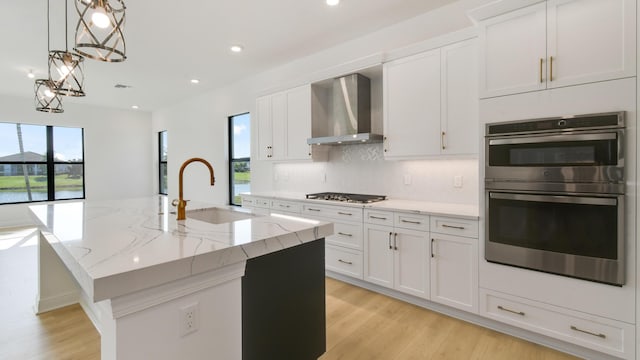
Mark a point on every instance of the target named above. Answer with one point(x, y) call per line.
point(195, 81)
point(135, 107)
point(237, 48)
point(333, 2)
point(31, 75)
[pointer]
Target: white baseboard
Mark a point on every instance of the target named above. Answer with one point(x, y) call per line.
point(56, 302)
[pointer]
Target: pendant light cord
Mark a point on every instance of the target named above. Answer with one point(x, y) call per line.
point(66, 27)
point(48, 26)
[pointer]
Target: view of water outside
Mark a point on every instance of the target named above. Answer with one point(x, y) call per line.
point(28, 143)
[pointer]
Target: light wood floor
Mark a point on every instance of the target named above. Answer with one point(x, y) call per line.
point(360, 324)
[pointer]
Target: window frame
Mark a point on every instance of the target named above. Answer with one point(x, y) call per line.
point(233, 160)
point(161, 162)
point(50, 164)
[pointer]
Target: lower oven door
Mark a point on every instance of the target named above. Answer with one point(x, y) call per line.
point(574, 235)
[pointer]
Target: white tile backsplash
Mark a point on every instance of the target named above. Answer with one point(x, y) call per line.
point(362, 169)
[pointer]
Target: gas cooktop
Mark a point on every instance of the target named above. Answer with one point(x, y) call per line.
point(350, 198)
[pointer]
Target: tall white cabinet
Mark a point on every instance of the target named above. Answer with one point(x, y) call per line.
point(557, 43)
point(431, 102)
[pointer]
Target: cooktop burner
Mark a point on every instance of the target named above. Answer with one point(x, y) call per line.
point(351, 198)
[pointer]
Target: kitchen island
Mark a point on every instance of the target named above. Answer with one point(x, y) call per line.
point(210, 286)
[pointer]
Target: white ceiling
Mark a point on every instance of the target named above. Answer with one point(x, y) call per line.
point(170, 42)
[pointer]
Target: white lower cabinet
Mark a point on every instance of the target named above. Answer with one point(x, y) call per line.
point(597, 333)
point(454, 263)
point(397, 257)
point(343, 249)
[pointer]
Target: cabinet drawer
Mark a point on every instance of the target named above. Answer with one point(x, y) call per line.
point(345, 234)
point(253, 202)
point(378, 217)
point(353, 214)
point(454, 226)
point(288, 206)
point(411, 221)
point(600, 334)
point(343, 261)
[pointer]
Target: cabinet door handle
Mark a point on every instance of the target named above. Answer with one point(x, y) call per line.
point(377, 217)
point(344, 213)
point(432, 254)
point(390, 247)
point(311, 209)
point(453, 227)
point(345, 262)
point(443, 144)
point(550, 68)
point(384, 141)
point(541, 79)
point(395, 241)
point(603, 336)
point(344, 234)
point(500, 307)
point(411, 222)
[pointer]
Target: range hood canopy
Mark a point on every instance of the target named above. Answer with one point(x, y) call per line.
point(350, 122)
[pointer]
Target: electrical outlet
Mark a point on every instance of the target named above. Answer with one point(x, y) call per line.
point(457, 181)
point(188, 319)
point(407, 179)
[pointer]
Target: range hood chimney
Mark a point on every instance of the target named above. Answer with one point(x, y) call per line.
point(350, 122)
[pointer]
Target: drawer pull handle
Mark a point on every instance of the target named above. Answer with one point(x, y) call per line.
point(377, 217)
point(344, 213)
point(285, 206)
point(310, 209)
point(345, 262)
point(603, 336)
point(500, 307)
point(411, 222)
point(344, 234)
point(453, 227)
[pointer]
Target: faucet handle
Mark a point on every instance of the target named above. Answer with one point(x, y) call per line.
point(175, 202)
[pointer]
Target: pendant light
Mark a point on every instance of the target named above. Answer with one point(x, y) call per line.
point(46, 99)
point(66, 68)
point(99, 31)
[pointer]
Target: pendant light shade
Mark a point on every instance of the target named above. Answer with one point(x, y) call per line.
point(99, 31)
point(46, 99)
point(66, 68)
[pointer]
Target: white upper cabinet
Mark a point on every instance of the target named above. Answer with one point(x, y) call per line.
point(557, 43)
point(284, 124)
point(590, 40)
point(459, 100)
point(412, 106)
point(431, 103)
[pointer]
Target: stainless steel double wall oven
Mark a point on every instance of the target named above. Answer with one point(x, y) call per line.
point(555, 195)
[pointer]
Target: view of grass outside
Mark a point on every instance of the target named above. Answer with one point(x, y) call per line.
point(240, 150)
point(27, 171)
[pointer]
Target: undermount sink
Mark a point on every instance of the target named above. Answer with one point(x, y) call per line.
point(216, 215)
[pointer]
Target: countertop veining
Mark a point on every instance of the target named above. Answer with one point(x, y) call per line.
point(114, 247)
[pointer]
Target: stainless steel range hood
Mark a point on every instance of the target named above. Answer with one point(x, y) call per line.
point(350, 122)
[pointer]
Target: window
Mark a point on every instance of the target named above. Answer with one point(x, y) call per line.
point(40, 163)
point(239, 157)
point(162, 157)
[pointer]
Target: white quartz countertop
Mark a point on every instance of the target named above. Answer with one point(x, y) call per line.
point(413, 206)
point(116, 247)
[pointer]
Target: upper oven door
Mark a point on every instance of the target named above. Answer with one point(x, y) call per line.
point(569, 157)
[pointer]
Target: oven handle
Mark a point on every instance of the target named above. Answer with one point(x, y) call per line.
point(555, 199)
point(553, 138)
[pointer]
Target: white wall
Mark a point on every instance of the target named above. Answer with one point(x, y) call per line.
point(117, 150)
point(198, 127)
